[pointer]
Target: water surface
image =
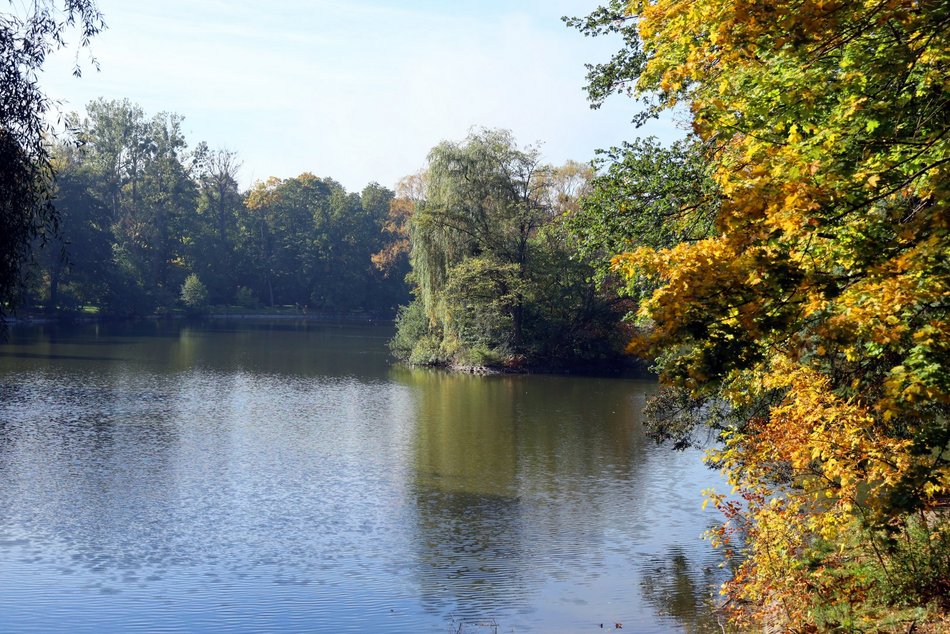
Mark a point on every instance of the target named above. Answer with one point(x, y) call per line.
point(284, 476)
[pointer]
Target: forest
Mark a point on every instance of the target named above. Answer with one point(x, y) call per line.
point(147, 224)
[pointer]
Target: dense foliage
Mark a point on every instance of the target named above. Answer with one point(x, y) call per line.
point(141, 214)
point(194, 294)
point(810, 324)
point(28, 33)
point(496, 280)
point(644, 194)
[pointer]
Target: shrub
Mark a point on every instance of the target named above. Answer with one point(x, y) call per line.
point(411, 326)
point(194, 295)
point(245, 298)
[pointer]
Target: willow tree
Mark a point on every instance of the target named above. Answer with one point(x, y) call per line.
point(495, 279)
point(27, 35)
point(484, 200)
point(817, 308)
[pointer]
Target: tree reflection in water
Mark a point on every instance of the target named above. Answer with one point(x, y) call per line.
point(684, 590)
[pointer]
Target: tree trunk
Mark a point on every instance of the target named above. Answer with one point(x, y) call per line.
point(53, 289)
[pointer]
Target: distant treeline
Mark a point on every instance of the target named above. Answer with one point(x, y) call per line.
point(140, 213)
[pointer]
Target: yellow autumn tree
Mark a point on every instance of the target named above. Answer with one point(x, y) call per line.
point(410, 191)
point(815, 313)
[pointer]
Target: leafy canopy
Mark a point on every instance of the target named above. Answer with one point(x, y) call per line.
point(496, 281)
point(28, 33)
point(816, 308)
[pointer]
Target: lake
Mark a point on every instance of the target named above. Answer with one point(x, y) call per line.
point(284, 476)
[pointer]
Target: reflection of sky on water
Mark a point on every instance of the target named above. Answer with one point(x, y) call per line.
point(195, 482)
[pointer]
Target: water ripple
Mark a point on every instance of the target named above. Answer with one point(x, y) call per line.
point(190, 481)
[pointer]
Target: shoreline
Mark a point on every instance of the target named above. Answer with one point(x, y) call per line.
point(628, 368)
point(321, 317)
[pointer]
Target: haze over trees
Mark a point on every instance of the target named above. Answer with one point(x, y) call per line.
point(795, 296)
point(140, 212)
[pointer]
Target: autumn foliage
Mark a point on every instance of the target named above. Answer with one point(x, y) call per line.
point(816, 311)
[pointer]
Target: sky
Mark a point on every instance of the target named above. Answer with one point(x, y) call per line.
point(357, 90)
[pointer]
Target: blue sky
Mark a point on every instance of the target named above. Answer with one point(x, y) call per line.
point(358, 90)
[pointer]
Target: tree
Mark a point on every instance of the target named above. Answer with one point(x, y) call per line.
point(310, 243)
point(114, 138)
point(168, 201)
point(194, 295)
point(644, 194)
point(493, 273)
point(620, 73)
point(483, 198)
point(410, 192)
point(211, 243)
point(812, 321)
point(144, 170)
point(26, 38)
point(76, 262)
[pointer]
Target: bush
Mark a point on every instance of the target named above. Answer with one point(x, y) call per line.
point(194, 295)
point(245, 298)
point(918, 568)
point(427, 351)
point(411, 326)
point(481, 355)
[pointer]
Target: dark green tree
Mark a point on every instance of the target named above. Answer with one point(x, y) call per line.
point(143, 169)
point(28, 33)
point(76, 262)
point(211, 239)
point(310, 243)
point(644, 194)
point(169, 199)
